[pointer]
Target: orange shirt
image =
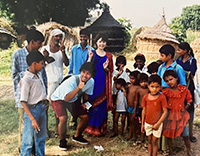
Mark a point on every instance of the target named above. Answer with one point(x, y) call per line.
point(154, 108)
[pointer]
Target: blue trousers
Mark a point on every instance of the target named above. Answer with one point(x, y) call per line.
point(29, 134)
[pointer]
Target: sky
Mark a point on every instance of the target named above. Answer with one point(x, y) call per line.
point(147, 12)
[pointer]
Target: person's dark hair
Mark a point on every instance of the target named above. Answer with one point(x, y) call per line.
point(34, 56)
point(140, 57)
point(90, 67)
point(120, 59)
point(186, 46)
point(103, 36)
point(167, 49)
point(121, 82)
point(34, 35)
point(85, 32)
point(135, 75)
point(170, 73)
point(153, 67)
point(154, 78)
point(143, 77)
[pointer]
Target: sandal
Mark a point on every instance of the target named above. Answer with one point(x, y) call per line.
point(193, 139)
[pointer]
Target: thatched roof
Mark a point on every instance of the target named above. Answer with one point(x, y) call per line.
point(4, 31)
point(106, 20)
point(160, 31)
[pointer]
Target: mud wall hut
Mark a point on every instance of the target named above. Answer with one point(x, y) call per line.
point(195, 45)
point(149, 41)
point(106, 24)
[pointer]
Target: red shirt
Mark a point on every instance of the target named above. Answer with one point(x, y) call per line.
point(154, 108)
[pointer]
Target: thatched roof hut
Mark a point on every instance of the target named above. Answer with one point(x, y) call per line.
point(71, 34)
point(150, 40)
point(106, 24)
point(6, 37)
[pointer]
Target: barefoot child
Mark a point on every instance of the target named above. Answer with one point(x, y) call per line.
point(131, 102)
point(119, 72)
point(178, 115)
point(153, 114)
point(121, 106)
point(140, 93)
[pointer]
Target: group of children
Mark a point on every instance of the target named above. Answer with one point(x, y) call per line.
point(154, 99)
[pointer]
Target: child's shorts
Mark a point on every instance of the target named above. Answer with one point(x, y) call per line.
point(131, 110)
point(149, 130)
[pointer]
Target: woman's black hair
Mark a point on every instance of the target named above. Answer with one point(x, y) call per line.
point(103, 36)
point(186, 46)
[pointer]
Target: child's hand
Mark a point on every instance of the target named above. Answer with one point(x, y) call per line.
point(81, 84)
point(183, 111)
point(121, 69)
point(35, 125)
point(142, 128)
point(155, 127)
point(128, 70)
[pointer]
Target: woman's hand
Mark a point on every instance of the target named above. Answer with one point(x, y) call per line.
point(105, 64)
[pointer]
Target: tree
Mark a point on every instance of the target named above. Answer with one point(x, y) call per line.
point(190, 17)
point(126, 23)
point(28, 12)
point(178, 29)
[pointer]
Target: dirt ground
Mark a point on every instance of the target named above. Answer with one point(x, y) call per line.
point(110, 145)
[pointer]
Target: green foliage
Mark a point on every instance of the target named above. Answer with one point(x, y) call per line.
point(8, 117)
point(190, 17)
point(126, 23)
point(178, 29)
point(192, 35)
point(5, 59)
point(67, 12)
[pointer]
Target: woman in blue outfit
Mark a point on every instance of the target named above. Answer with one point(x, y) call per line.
point(101, 99)
point(189, 64)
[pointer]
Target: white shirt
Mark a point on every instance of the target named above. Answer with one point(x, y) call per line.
point(69, 85)
point(54, 70)
point(32, 89)
point(124, 75)
point(121, 103)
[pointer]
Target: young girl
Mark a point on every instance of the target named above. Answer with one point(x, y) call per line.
point(119, 72)
point(178, 117)
point(121, 105)
point(189, 64)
